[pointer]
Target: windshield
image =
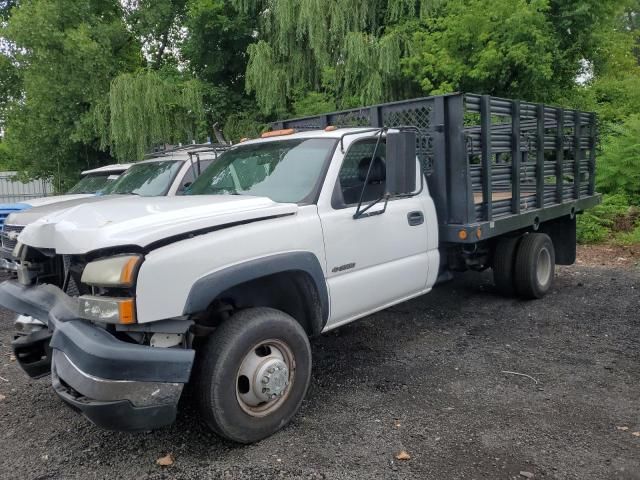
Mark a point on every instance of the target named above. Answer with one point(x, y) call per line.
point(94, 183)
point(284, 170)
point(150, 179)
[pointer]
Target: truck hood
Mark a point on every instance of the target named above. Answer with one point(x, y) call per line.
point(28, 216)
point(142, 221)
point(38, 202)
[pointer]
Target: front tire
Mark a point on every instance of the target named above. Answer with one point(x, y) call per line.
point(535, 266)
point(252, 374)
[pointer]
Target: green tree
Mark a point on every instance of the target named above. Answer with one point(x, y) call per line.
point(358, 52)
point(5, 8)
point(619, 162)
point(502, 47)
point(9, 87)
point(68, 54)
point(214, 50)
point(147, 109)
point(343, 49)
point(9, 75)
point(157, 24)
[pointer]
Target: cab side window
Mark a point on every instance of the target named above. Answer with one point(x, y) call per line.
point(353, 173)
point(186, 181)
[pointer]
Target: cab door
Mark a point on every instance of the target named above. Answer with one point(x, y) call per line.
point(376, 260)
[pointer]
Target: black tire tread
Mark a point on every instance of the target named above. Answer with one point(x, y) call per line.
point(214, 349)
point(504, 265)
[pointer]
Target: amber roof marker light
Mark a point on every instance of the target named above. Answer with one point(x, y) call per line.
point(278, 133)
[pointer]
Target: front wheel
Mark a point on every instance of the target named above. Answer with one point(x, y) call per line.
point(252, 374)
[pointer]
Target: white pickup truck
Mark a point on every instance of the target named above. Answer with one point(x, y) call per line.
point(284, 237)
point(163, 173)
point(90, 183)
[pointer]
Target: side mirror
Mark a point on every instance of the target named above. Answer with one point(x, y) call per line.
point(401, 162)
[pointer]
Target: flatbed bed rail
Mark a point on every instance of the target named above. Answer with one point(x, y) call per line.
point(493, 165)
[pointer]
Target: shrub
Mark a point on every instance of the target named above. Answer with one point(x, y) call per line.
point(614, 214)
point(618, 168)
point(629, 238)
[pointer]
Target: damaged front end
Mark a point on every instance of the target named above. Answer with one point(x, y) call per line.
point(112, 373)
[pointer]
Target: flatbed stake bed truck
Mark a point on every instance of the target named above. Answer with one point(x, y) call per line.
point(322, 221)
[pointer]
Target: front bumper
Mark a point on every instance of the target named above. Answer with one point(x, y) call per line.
point(115, 384)
point(115, 404)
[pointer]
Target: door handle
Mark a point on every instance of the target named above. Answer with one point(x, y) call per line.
point(415, 218)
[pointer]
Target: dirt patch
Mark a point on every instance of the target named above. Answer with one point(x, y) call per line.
point(609, 255)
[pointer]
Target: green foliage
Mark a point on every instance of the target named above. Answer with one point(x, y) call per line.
point(619, 161)
point(629, 238)
point(80, 80)
point(67, 52)
point(9, 86)
point(216, 45)
point(5, 8)
point(146, 110)
point(599, 223)
point(362, 52)
point(313, 103)
point(343, 49)
point(616, 96)
point(215, 49)
point(5, 159)
point(244, 125)
point(156, 23)
point(500, 47)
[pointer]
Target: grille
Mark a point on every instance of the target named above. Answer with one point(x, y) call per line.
point(9, 236)
point(72, 287)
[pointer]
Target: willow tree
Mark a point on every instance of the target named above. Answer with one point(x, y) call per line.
point(364, 51)
point(346, 48)
point(145, 110)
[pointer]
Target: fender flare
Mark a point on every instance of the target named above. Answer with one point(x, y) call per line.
point(207, 288)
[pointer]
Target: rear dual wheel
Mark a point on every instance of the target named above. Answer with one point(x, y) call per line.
point(524, 265)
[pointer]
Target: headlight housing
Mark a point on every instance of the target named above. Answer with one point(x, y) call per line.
point(112, 306)
point(108, 309)
point(116, 272)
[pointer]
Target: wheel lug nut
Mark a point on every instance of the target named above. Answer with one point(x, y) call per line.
point(265, 380)
point(265, 390)
point(271, 370)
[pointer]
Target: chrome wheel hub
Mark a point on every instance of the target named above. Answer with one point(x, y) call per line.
point(274, 378)
point(543, 267)
point(264, 378)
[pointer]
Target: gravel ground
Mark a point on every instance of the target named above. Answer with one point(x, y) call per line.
point(427, 377)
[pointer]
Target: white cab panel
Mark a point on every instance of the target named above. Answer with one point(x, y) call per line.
point(167, 274)
point(377, 261)
point(383, 257)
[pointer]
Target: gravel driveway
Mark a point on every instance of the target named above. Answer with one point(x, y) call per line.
point(427, 377)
